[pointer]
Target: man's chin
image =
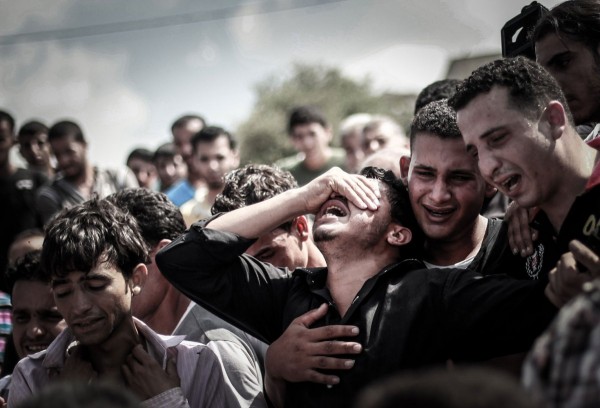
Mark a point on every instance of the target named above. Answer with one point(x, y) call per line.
point(323, 236)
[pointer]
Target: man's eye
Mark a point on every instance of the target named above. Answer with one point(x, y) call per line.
point(61, 293)
point(20, 318)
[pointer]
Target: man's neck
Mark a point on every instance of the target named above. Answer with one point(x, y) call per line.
point(315, 257)
point(108, 357)
point(169, 313)
point(461, 247)
point(347, 274)
point(318, 159)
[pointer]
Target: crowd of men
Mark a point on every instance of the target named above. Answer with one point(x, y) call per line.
point(373, 275)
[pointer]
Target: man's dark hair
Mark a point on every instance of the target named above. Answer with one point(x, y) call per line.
point(142, 154)
point(209, 134)
point(578, 20)
point(305, 115)
point(66, 128)
point(437, 118)
point(400, 208)
point(530, 86)
point(166, 150)
point(252, 184)
point(32, 128)
point(96, 231)
point(435, 91)
point(157, 217)
point(26, 268)
point(182, 121)
point(7, 117)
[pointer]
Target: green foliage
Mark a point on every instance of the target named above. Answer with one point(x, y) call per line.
point(263, 135)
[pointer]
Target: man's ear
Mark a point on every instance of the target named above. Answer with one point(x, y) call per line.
point(404, 167)
point(555, 118)
point(490, 190)
point(300, 228)
point(138, 278)
point(398, 235)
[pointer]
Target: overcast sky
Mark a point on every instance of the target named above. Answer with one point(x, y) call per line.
point(125, 69)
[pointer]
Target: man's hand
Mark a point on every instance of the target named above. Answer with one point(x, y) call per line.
point(300, 352)
point(145, 376)
point(566, 280)
point(520, 234)
point(361, 191)
point(77, 367)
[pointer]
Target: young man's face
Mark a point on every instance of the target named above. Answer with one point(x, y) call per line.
point(349, 226)
point(213, 160)
point(35, 149)
point(513, 154)
point(144, 171)
point(310, 138)
point(574, 67)
point(445, 187)
point(170, 170)
point(6, 141)
point(71, 156)
point(182, 137)
point(96, 304)
point(35, 318)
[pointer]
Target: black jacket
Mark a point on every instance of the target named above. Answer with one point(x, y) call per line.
point(408, 316)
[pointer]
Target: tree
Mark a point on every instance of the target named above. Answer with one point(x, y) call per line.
point(263, 135)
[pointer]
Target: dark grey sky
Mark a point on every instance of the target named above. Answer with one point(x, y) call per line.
point(126, 69)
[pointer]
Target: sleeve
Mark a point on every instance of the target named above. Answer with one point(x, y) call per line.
point(492, 316)
point(20, 388)
point(209, 267)
point(201, 377)
point(169, 398)
point(241, 374)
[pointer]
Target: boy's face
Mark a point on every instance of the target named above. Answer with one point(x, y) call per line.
point(96, 304)
point(35, 149)
point(71, 156)
point(445, 187)
point(213, 160)
point(310, 138)
point(170, 170)
point(36, 320)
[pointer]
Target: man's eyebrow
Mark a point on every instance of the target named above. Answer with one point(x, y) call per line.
point(489, 132)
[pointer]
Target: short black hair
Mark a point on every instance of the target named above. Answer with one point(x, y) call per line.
point(578, 20)
point(209, 134)
point(438, 118)
point(530, 86)
point(400, 208)
point(26, 268)
point(142, 154)
point(32, 128)
point(166, 151)
point(183, 120)
point(7, 117)
point(157, 217)
point(442, 89)
point(81, 237)
point(305, 115)
point(66, 128)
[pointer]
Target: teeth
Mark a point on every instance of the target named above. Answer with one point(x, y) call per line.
point(335, 210)
point(35, 349)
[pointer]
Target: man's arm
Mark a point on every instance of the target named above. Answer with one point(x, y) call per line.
point(257, 219)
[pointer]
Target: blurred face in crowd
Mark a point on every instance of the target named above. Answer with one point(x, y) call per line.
point(170, 170)
point(445, 187)
point(352, 145)
point(213, 160)
point(71, 156)
point(36, 320)
point(513, 151)
point(96, 305)
point(144, 171)
point(575, 67)
point(6, 142)
point(310, 138)
point(182, 137)
point(35, 149)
